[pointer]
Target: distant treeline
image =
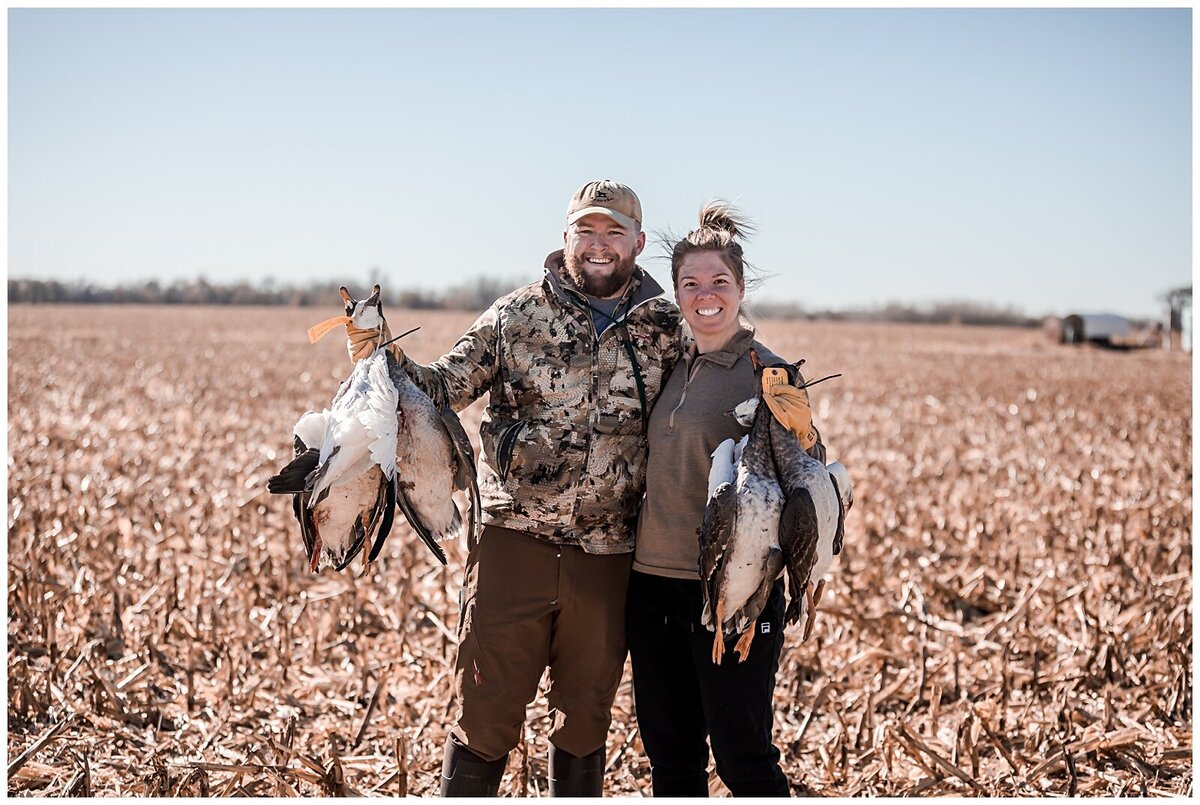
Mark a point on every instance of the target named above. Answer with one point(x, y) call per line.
point(475, 296)
point(950, 312)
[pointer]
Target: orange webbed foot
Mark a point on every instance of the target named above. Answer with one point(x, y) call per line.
point(719, 638)
point(743, 644)
point(811, 615)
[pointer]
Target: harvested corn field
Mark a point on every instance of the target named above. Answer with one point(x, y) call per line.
point(1011, 614)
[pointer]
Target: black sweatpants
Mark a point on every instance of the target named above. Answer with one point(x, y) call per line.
point(681, 697)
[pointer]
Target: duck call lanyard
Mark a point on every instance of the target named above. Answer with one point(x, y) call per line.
point(627, 342)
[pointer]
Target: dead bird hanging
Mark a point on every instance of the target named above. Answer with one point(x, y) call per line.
point(383, 443)
point(771, 506)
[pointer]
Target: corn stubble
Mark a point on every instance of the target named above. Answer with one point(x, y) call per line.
point(1011, 614)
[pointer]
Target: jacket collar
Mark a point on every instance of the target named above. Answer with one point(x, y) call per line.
point(642, 287)
point(737, 346)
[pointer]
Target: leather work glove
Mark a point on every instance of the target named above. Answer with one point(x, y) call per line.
point(361, 343)
point(789, 405)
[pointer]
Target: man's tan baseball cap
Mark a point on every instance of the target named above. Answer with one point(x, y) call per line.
point(607, 198)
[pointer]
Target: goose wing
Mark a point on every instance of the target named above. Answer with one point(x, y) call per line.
point(840, 534)
point(381, 517)
point(723, 467)
point(308, 528)
point(306, 436)
point(389, 513)
point(464, 475)
point(798, 532)
point(294, 477)
point(415, 521)
point(715, 530)
point(844, 490)
point(400, 380)
point(291, 479)
point(378, 416)
point(361, 429)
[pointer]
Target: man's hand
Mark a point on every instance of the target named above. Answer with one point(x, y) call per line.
point(361, 343)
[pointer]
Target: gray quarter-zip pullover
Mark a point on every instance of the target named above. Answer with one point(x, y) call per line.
point(688, 422)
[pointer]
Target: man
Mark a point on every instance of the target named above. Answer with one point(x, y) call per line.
point(571, 365)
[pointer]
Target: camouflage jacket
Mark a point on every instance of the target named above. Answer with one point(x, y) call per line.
point(564, 435)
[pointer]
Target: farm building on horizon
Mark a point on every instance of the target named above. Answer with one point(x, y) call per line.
point(1101, 328)
point(1173, 332)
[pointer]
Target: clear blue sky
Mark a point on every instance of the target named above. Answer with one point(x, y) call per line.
point(1039, 158)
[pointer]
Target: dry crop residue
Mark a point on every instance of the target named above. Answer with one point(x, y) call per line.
point(1011, 614)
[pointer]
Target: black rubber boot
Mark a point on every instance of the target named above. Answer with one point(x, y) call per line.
point(572, 776)
point(466, 774)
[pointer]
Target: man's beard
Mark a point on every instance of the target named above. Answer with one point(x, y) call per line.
point(600, 287)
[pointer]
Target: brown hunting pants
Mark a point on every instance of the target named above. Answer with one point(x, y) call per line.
point(528, 604)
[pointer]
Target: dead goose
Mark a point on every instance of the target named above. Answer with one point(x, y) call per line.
point(771, 506)
point(812, 524)
point(341, 477)
point(434, 459)
point(384, 434)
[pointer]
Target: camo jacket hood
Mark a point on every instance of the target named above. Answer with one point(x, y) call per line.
point(564, 434)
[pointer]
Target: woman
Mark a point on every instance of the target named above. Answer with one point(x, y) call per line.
point(681, 697)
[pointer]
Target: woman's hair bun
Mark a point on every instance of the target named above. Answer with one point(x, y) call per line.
point(720, 214)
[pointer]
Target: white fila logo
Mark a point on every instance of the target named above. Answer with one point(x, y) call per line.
point(766, 628)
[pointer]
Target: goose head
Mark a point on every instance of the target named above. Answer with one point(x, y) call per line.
point(788, 373)
point(365, 314)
